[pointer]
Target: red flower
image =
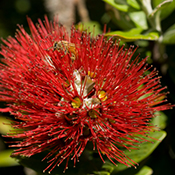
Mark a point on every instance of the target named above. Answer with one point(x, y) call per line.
point(68, 91)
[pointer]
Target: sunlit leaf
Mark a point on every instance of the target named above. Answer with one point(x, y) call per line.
point(145, 171)
point(121, 7)
point(144, 151)
point(134, 34)
point(160, 120)
point(6, 160)
point(134, 4)
point(5, 125)
point(139, 19)
point(169, 35)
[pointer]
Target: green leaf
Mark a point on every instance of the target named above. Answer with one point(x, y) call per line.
point(134, 4)
point(139, 19)
point(101, 173)
point(169, 36)
point(121, 19)
point(160, 7)
point(160, 120)
point(91, 26)
point(144, 151)
point(145, 171)
point(134, 34)
point(87, 164)
point(167, 10)
point(107, 166)
point(118, 6)
point(6, 160)
point(5, 125)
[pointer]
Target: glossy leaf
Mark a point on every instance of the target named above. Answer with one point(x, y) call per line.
point(166, 10)
point(134, 34)
point(144, 151)
point(139, 19)
point(6, 160)
point(145, 171)
point(169, 35)
point(134, 4)
point(5, 125)
point(160, 120)
point(121, 7)
point(160, 7)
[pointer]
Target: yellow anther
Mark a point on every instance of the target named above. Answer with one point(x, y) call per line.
point(76, 103)
point(102, 95)
point(91, 74)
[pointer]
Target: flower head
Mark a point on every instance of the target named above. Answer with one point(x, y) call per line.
point(68, 91)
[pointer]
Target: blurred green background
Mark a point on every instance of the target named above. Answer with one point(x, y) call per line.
point(162, 56)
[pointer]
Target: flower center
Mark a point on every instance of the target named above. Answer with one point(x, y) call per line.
point(84, 88)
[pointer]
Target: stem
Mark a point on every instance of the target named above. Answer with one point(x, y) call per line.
point(153, 20)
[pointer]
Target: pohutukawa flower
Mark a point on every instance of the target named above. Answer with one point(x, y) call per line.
point(66, 91)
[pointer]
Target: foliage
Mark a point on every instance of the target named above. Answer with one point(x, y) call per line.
point(151, 25)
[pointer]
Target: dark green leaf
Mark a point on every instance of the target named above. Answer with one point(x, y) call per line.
point(121, 19)
point(145, 171)
point(6, 160)
point(167, 10)
point(87, 164)
point(134, 34)
point(160, 7)
point(118, 6)
point(108, 166)
point(144, 151)
point(169, 35)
